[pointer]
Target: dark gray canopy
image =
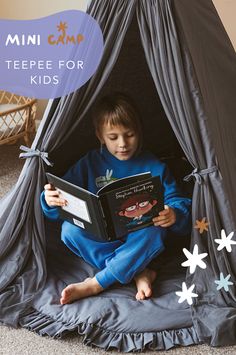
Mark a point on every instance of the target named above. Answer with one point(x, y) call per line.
point(188, 107)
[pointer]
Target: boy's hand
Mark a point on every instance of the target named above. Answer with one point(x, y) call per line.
point(166, 218)
point(52, 196)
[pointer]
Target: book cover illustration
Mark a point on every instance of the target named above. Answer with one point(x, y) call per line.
point(134, 206)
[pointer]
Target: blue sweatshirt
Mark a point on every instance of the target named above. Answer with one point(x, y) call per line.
point(96, 169)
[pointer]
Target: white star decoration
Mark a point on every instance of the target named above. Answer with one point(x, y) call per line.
point(194, 259)
point(186, 294)
point(223, 282)
point(225, 241)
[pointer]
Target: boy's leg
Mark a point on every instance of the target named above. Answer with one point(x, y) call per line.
point(93, 252)
point(122, 264)
point(73, 292)
point(133, 256)
point(144, 281)
point(81, 243)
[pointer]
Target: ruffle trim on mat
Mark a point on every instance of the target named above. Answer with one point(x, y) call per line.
point(105, 339)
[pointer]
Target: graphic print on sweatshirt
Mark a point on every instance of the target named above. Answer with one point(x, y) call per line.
point(104, 180)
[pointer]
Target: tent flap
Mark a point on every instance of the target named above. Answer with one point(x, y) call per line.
point(193, 73)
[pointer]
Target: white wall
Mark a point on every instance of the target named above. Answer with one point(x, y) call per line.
point(227, 12)
point(30, 9)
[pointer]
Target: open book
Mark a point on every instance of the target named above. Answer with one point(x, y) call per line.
point(121, 206)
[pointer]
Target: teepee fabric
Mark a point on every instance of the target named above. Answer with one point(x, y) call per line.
point(34, 266)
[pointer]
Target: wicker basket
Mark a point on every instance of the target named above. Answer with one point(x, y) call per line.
point(17, 118)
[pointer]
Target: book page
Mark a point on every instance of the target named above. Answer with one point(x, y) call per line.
point(75, 206)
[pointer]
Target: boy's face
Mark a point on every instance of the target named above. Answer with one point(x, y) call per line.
point(122, 142)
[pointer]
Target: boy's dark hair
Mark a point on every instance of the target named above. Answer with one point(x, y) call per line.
point(117, 109)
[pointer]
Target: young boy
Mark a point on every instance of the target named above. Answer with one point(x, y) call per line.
point(119, 131)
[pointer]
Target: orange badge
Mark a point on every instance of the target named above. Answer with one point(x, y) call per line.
point(202, 225)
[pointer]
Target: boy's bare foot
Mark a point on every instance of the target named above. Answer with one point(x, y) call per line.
point(73, 292)
point(144, 282)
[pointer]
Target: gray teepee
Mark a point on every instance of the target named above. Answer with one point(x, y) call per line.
point(183, 75)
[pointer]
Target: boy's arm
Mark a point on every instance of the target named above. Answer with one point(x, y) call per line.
point(181, 205)
point(183, 224)
point(77, 175)
point(49, 212)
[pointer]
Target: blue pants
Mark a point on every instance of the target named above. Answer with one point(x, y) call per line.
point(118, 260)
